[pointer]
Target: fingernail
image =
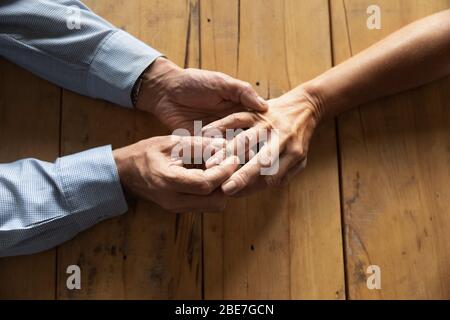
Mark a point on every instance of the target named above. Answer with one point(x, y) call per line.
point(229, 187)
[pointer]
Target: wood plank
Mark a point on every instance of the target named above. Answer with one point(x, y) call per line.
point(147, 253)
point(283, 243)
point(395, 170)
point(219, 21)
point(29, 128)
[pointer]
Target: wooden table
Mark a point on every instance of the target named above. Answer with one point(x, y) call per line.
point(376, 190)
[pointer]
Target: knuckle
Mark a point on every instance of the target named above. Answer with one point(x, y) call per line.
point(243, 177)
point(221, 78)
point(221, 75)
point(243, 117)
point(247, 86)
point(235, 118)
point(174, 138)
point(148, 153)
point(175, 87)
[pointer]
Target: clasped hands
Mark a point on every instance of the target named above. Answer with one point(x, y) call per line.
point(178, 97)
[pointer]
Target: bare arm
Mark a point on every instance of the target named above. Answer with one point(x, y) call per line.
point(410, 57)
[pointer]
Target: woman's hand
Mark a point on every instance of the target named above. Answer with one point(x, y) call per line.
point(287, 128)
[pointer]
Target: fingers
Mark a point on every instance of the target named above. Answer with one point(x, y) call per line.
point(286, 163)
point(197, 148)
point(233, 121)
point(202, 142)
point(250, 172)
point(245, 176)
point(239, 146)
point(218, 174)
point(289, 166)
point(201, 182)
point(241, 92)
point(265, 163)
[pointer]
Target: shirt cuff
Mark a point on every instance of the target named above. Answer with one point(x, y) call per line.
point(91, 186)
point(116, 66)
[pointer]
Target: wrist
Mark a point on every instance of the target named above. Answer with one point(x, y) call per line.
point(121, 165)
point(332, 94)
point(155, 83)
point(123, 158)
point(308, 96)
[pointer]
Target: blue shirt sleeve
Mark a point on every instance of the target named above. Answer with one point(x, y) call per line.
point(66, 43)
point(44, 204)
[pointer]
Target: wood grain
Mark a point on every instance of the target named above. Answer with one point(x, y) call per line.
point(29, 128)
point(285, 243)
point(395, 170)
point(282, 243)
point(147, 253)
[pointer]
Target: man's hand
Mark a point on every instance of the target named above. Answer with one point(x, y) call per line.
point(179, 96)
point(152, 170)
point(289, 124)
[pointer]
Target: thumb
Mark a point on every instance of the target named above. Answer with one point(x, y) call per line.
point(242, 92)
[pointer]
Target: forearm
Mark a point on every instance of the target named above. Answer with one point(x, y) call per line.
point(66, 43)
point(43, 204)
point(412, 56)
